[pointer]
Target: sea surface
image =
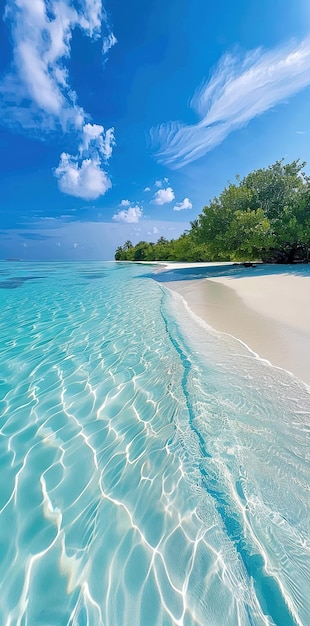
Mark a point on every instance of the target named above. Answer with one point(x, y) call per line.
point(153, 471)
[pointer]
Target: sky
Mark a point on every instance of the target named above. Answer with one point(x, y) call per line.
point(121, 120)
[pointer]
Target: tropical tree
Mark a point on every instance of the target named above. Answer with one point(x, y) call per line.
point(265, 215)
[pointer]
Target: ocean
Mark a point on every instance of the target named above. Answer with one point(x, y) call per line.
point(154, 472)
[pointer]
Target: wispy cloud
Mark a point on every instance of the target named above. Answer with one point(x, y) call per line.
point(36, 94)
point(162, 183)
point(39, 79)
point(181, 206)
point(108, 43)
point(163, 196)
point(240, 89)
point(131, 215)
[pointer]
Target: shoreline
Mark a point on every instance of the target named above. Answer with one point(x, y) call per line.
point(269, 314)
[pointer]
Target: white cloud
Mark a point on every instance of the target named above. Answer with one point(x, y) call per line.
point(96, 143)
point(163, 196)
point(129, 216)
point(36, 93)
point(162, 183)
point(95, 140)
point(154, 231)
point(81, 178)
point(125, 203)
point(41, 34)
point(97, 240)
point(91, 17)
point(185, 204)
point(108, 43)
point(92, 133)
point(109, 143)
point(82, 175)
point(147, 189)
point(240, 89)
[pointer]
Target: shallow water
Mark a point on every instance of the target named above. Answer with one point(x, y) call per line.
point(153, 472)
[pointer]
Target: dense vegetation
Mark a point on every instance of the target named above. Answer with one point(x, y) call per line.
point(266, 216)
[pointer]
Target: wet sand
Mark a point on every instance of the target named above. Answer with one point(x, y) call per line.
point(271, 314)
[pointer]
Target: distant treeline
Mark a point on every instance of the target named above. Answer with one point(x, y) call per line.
point(265, 215)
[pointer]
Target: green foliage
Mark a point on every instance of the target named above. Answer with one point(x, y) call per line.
point(184, 248)
point(266, 215)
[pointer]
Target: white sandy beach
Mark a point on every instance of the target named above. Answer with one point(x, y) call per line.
point(270, 313)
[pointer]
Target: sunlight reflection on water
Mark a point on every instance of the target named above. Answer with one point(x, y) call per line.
point(152, 472)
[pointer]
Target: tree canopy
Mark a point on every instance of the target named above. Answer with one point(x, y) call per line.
point(264, 216)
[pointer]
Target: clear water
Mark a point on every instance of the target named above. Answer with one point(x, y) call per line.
point(153, 472)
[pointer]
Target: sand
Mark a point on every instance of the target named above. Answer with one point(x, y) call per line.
point(269, 313)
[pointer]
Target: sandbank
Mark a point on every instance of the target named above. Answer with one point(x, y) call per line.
point(269, 313)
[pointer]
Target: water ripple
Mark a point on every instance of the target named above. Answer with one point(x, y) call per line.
point(151, 476)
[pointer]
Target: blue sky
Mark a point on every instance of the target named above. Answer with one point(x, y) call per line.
point(121, 120)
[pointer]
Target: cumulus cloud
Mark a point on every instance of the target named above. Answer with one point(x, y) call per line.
point(163, 196)
point(83, 179)
point(94, 138)
point(185, 204)
point(131, 215)
point(240, 89)
point(125, 203)
point(36, 93)
point(83, 175)
point(147, 188)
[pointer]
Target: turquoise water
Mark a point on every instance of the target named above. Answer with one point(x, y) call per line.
point(153, 472)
